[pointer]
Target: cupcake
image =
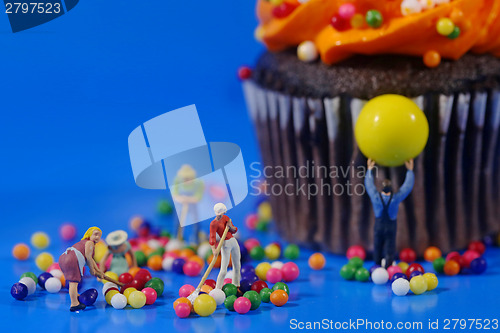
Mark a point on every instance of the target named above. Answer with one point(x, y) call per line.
point(325, 59)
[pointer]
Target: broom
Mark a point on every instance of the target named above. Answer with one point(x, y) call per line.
point(196, 292)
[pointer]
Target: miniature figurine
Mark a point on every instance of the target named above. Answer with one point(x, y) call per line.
point(386, 205)
point(118, 247)
point(74, 259)
point(187, 191)
point(230, 247)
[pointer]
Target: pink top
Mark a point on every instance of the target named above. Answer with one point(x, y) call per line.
point(80, 246)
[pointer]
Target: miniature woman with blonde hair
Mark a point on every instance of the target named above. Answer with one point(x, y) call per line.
point(74, 259)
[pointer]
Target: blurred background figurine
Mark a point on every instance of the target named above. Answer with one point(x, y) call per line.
point(230, 247)
point(118, 247)
point(188, 191)
point(74, 259)
point(386, 205)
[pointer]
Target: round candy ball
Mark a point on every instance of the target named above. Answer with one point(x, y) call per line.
point(150, 294)
point(44, 260)
point(143, 275)
point(393, 270)
point(404, 266)
point(254, 299)
point(178, 265)
point(277, 264)
point(118, 301)
point(438, 265)
point(167, 264)
point(317, 261)
point(274, 275)
point(414, 267)
point(356, 251)
point(192, 268)
point(110, 274)
point(182, 310)
point(380, 276)
point(204, 305)
point(186, 290)
point(400, 287)
point(246, 285)
point(279, 297)
point(125, 278)
point(477, 246)
point(30, 275)
point(468, 256)
point(155, 262)
point(21, 251)
point(230, 289)
point(362, 275)
point(242, 305)
point(407, 255)
point(418, 284)
point(88, 297)
point(356, 262)
point(265, 295)
point(347, 272)
point(431, 280)
point(432, 253)
point(261, 270)
point(157, 284)
point(272, 251)
point(107, 286)
point(291, 252)
point(211, 282)
point(42, 278)
point(398, 276)
point(229, 302)
point(29, 283)
point(258, 286)
point(127, 292)
point(206, 289)
point(415, 273)
point(67, 231)
point(40, 240)
point(19, 291)
point(218, 295)
point(478, 265)
point(110, 294)
point(257, 253)
point(281, 286)
point(137, 299)
point(53, 285)
point(451, 268)
point(251, 221)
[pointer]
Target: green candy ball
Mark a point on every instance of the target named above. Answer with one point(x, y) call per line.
point(229, 302)
point(438, 265)
point(362, 275)
point(164, 207)
point(165, 233)
point(347, 272)
point(254, 298)
point(257, 253)
point(230, 289)
point(157, 284)
point(356, 262)
point(141, 258)
point(265, 295)
point(374, 19)
point(30, 275)
point(282, 286)
point(262, 226)
point(291, 252)
point(159, 251)
point(455, 33)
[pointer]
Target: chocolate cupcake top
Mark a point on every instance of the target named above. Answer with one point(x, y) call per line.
point(339, 29)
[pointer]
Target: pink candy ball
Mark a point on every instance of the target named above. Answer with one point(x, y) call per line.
point(182, 310)
point(150, 295)
point(274, 275)
point(186, 290)
point(356, 251)
point(251, 221)
point(393, 270)
point(228, 280)
point(67, 231)
point(347, 11)
point(242, 305)
point(251, 243)
point(191, 268)
point(468, 256)
point(290, 271)
point(54, 266)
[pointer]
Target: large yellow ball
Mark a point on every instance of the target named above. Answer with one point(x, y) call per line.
point(111, 275)
point(261, 270)
point(204, 305)
point(418, 284)
point(432, 281)
point(136, 299)
point(44, 260)
point(391, 129)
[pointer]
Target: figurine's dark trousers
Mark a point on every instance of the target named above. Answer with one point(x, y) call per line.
point(385, 237)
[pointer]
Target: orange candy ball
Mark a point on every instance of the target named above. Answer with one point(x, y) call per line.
point(154, 262)
point(206, 288)
point(183, 300)
point(432, 253)
point(279, 297)
point(186, 253)
point(457, 16)
point(133, 271)
point(21, 251)
point(432, 59)
point(317, 261)
point(217, 262)
point(451, 268)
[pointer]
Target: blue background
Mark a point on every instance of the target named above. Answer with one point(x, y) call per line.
point(74, 88)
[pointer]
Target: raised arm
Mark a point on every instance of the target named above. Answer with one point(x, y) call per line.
point(405, 189)
point(371, 189)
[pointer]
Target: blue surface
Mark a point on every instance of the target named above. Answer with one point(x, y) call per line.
point(74, 88)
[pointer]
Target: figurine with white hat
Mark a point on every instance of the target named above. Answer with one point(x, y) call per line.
point(118, 247)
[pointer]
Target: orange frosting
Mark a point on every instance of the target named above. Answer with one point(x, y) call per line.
point(414, 34)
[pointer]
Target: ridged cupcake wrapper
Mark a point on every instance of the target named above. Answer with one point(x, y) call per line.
point(456, 197)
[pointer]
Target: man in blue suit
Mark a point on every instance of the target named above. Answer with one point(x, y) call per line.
point(386, 205)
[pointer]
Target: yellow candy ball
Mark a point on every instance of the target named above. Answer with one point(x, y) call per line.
point(261, 270)
point(391, 129)
point(136, 299)
point(432, 281)
point(276, 2)
point(418, 284)
point(44, 260)
point(40, 240)
point(445, 26)
point(110, 274)
point(272, 251)
point(128, 291)
point(264, 211)
point(357, 21)
point(404, 266)
point(110, 294)
point(100, 250)
point(204, 305)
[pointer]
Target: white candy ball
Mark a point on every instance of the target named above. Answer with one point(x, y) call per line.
point(380, 276)
point(107, 286)
point(218, 295)
point(29, 283)
point(401, 287)
point(174, 244)
point(277, 264)
point(154, 244)
point(307, 51)
point(203, 250)
point(409, 7)
point(57, 273)
point(167, 264)
point(53, 285)
point(229, 274)
point(119, 301)
point(427, 4)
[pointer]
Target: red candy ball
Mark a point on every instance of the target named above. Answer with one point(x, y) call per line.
point(356, 251)
point(284, 10)
point(414, 267)
point(468, 256)
point(477, 246)
point(137, 284)
point(126, 278)
point(407, 255)
point(290, 271)
point(191, 268)
point(143, 275)
point(455, 256)
point(150, 295)
point(245, 73)
point(259, 285)
point(211, 283)
point(340, 24)
point(186, 290)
